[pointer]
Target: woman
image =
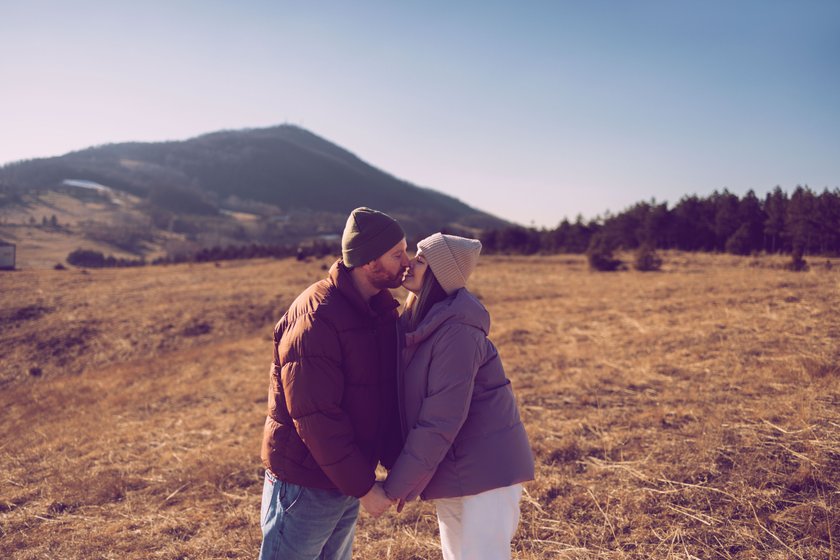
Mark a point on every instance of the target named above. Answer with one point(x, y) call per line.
point(465, 446)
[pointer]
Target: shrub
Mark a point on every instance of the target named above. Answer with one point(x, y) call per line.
point(600, 255)
point(85, 258)
point(647, 259)
point(797, 262)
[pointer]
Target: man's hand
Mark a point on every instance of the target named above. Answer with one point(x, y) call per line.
point(376, 501)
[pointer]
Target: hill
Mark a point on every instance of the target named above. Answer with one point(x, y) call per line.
point(269, 185)
point(691, 413)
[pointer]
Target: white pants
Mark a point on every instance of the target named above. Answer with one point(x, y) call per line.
point(479, 527)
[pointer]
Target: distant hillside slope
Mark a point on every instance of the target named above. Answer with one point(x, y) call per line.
point(278, 171)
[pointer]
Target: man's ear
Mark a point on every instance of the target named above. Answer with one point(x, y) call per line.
point(365, 269)
point(368, 265)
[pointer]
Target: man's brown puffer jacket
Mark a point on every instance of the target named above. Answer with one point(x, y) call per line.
point(331, 398)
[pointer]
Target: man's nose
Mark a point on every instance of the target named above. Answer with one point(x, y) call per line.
point(405, 262)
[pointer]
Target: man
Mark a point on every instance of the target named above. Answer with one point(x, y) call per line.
point(332, 398)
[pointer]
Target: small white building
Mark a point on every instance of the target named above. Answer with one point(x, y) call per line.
point(7, 256)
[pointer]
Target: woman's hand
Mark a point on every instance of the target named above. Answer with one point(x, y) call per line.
point(376, 502)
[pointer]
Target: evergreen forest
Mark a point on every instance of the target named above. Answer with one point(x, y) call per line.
point(801, 223)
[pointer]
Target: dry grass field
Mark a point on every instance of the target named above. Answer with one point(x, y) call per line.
point(689, 413)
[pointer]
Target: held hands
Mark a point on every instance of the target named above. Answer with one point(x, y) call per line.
point(376, 502)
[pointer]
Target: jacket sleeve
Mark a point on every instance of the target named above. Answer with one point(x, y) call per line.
point(313, 384)
point(444, 409)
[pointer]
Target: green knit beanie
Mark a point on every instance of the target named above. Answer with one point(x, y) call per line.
point(367, 235)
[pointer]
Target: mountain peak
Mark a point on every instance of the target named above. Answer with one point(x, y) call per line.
point(277, 170)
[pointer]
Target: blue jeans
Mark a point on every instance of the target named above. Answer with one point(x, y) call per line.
point(301, 523)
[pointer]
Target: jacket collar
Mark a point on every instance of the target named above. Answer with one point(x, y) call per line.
point(461, 307)
point(382, 303)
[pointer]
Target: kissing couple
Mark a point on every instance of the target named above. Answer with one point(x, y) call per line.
point(356, 382)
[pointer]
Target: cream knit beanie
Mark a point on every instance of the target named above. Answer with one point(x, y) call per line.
point(451, 258)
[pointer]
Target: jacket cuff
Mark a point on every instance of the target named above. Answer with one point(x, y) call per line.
point(363, 494)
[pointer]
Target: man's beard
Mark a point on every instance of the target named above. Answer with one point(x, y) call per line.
point(381, 279)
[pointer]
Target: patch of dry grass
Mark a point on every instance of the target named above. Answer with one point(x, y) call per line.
point(693, 412)
point(64, 322)
point(44, 247)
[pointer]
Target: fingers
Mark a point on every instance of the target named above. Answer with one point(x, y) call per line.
point(376, 501)
point(377, 509)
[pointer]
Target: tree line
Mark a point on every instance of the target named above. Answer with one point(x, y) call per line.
point(86, 258)
point(802, 223)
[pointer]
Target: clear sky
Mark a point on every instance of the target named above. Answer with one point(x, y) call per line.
point(529, 110)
